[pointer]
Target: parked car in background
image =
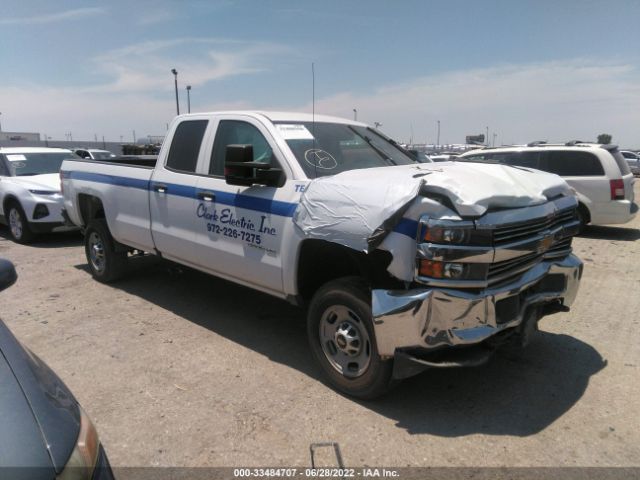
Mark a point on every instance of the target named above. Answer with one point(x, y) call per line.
point(598, 173)
point(443, 157)
point(30, 196)
point(633, 159)
point(45, 434)
point(94, 154)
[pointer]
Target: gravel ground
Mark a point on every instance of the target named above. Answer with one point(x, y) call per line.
point(177, 368)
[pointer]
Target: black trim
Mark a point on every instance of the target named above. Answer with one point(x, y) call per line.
point(44, 227)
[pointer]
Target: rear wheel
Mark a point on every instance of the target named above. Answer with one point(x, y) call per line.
point(341, 336)
point(106, 264)
point(18, 224)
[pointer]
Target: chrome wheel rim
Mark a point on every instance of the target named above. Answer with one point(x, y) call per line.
point(15, 223)
point(345, 341)
point(96, 252)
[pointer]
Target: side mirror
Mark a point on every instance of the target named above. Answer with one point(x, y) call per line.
point(240, 169)
point(8, 274)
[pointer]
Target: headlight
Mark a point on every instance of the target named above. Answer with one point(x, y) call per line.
point(43, 192)
point(448, 232)
point(83, 459)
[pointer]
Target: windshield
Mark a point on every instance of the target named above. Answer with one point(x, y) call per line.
point(324, 149)
point(102, 155)
point(25, 164)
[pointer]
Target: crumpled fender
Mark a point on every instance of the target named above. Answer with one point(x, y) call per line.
point(379, 207)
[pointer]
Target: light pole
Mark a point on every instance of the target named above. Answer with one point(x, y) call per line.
point(0, 122)
point(188, 98)
point(494, 139)
point(175, 80)
point(487, 137)
point(355, 115)
point(438, 137)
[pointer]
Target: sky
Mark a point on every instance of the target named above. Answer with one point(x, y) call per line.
point(528, 70)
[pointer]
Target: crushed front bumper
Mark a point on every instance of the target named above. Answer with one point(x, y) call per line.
point(431, 319)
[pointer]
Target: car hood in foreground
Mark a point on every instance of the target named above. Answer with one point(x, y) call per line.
point(39, 409)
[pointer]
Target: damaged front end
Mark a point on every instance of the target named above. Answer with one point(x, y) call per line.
point(476, 283)
point(488, 256)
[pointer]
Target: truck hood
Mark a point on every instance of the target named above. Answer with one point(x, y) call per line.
point(47, 181)
point(348, 208)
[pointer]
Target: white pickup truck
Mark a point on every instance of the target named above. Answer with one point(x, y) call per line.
point(402, 265)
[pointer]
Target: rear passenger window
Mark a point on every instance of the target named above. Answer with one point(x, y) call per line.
point(621, 162)
point(572, 164)
point(185, 145)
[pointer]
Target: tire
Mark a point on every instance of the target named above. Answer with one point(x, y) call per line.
point(19, 228)
point(105, 263)
point(342, 339)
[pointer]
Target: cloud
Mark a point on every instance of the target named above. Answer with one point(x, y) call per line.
point(556, 101)
point(146, 66)
point(54, 17)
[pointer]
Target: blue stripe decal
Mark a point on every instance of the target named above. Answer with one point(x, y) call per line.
point(110, 179)
point(248, 202)
point(407, 227)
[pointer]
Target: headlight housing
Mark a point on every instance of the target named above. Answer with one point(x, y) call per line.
point(83, 459)
point(43, 192)
point(451, 232)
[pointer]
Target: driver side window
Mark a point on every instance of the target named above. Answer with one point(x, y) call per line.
point(234, 132)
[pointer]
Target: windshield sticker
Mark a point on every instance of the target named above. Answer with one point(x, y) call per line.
point(294, 132)
point(320, 159)
point(15, 158)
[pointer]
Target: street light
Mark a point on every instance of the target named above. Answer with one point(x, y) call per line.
point(487, 137)
point(355, 114)
point(438, 141)
point(175, 79)
point(188, 99)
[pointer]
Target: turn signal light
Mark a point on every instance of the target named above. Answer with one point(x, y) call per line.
point(430, 268)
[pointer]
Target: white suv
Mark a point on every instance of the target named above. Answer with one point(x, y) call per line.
point(598, 173)
point(30, 198)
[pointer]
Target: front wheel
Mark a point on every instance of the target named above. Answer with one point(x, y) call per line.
point(19, 225)
point(341, 336)
point(106, 264)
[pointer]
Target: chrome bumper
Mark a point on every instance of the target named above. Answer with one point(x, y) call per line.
point(438, 317)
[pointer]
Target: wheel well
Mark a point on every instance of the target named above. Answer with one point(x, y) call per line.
point(320, 261)
point(584, 211)
point(8, 200)
point(90, 208)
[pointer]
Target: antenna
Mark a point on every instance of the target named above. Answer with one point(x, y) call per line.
point(313, 113)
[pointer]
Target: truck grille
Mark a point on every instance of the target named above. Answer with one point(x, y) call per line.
point(506, 270)
point(514, 232)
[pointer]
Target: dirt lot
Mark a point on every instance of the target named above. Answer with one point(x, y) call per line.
point(178, 368)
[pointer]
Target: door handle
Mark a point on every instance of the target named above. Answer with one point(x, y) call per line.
point(206, 196)
point(160, 188)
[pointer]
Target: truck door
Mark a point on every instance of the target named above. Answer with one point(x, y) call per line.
point(173, 191)
point(239, 230)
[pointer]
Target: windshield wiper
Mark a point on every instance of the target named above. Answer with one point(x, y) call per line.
point(380, 152)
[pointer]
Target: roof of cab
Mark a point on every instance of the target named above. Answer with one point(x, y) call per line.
point(283, 116)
